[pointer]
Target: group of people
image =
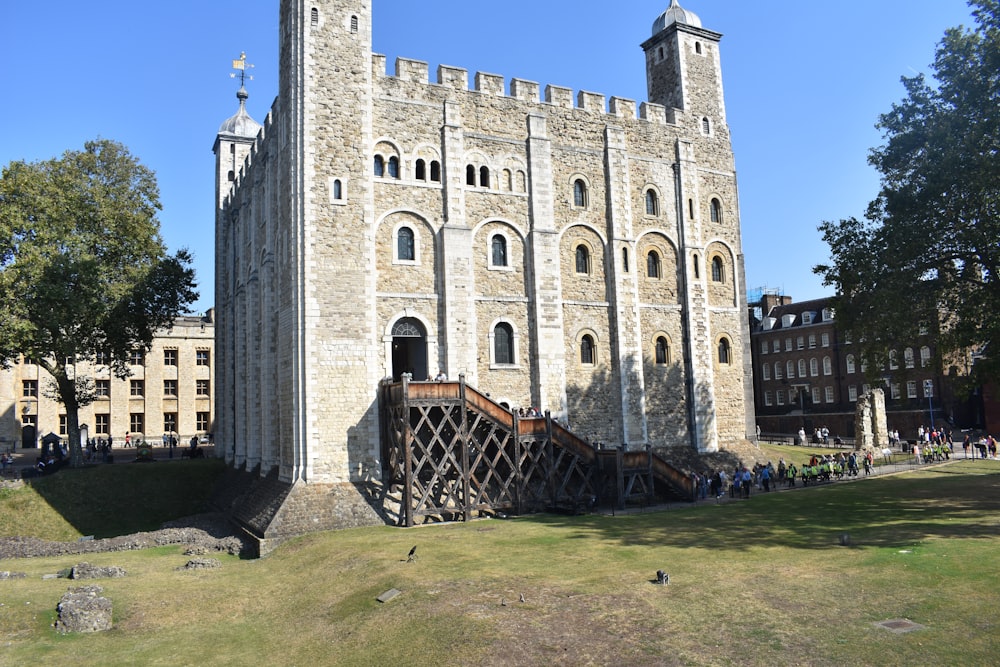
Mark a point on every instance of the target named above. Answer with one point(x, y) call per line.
point(529, 413)
point(6, 461)
point(986, 446)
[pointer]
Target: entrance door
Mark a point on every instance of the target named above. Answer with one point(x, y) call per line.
point(409, 349)
point(29, 437)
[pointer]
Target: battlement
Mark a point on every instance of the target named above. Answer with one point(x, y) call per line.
point(456, 78)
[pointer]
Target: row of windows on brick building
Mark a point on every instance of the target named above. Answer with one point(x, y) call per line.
point(137, 388)
point(138, 358)
point(828, 393)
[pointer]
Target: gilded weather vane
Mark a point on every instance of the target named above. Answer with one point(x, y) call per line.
point(241, 66)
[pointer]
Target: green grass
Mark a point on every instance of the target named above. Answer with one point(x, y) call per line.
point(762, 582)
point(107, 500)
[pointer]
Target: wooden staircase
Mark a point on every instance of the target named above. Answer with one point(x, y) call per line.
point(450, 452)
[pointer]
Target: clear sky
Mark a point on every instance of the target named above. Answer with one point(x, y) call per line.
point(804, 83)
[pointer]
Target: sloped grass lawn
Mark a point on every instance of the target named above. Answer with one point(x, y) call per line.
point(759, 582)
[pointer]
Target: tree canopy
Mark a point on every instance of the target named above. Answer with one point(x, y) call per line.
point(926, 257)
point(83, 268)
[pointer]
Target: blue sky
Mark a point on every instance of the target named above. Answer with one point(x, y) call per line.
point(804, 83)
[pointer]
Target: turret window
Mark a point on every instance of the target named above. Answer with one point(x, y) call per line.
point(653, 264)
point(579, 193)
point(706, 126)
point(652, 203)
point(582, 259)
point(716, 211)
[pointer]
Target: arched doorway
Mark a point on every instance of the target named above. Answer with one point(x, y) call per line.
point(409, 349)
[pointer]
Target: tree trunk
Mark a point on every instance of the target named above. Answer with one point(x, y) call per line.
point(67, 393)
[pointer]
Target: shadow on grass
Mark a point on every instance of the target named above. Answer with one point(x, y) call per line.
point(959, 501)
point(113, 500)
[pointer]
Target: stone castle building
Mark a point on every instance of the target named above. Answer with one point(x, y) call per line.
point(570, 252)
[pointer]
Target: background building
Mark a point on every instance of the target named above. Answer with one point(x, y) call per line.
point(169, 391)
point(808, 374)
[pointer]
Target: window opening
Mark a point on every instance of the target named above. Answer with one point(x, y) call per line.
point(405, 244)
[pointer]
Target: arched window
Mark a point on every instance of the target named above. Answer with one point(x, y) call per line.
point(851, 364)
point(790, 369)
point(697, 48)
point(394, 167)
point(767, 371)
point(725, 353)
point(706, 126)
point(653, 264)
point(716, 211)
point(893, 360)
point(718, 270)
point(470, 175)
point(652, 203)
point(405, 245)
point(484, 177)
point(587, 350)
point(354, 25)
point(338, 189)
point(697, 267)
point(827, 366)
point(925, 357)
point(435, 171)
point(579, 193)
point(779, 370)
point(420, 170)
point(813, 367)
point(503, 344)
point(508, 180)
point(379, 165)
point(314, 17)
point(802, 368)
point(498, 251)
point(662, 350)
point(582, 259)
point(908, 358)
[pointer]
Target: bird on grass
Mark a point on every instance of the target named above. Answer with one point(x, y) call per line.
point(412, 556)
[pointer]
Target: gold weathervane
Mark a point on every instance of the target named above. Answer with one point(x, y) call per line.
point(241, 65)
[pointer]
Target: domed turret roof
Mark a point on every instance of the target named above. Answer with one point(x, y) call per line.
point(675, 14)
point(242, 125)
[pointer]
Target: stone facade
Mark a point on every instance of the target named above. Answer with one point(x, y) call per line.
point(172, 384)
point(581, 255)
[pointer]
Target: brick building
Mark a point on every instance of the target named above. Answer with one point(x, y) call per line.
point(808, 374)
point(169, 391)
point(574, 253)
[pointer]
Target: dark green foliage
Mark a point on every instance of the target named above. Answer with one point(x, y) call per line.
point(927, 254)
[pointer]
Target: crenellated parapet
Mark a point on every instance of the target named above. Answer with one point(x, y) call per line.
point(586, 102)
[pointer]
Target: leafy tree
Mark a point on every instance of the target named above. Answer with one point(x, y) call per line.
point(83, 268)
point(927, 254)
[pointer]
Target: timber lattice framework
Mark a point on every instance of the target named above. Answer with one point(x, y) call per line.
point(454, 453)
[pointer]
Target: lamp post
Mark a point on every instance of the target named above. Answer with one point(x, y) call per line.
point(929, 392)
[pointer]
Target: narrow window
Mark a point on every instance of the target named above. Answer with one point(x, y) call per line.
point(851, 365)
point(499, 251)
point(394, 167)
point(662, 351)
point(790, 369)
point(625, 259)
point(653, 264)
point(338, 189)
point(379, 166)
point(435, 171)
point(697, 48)
point(766, 368)
point(718, 271)
point(405, 245)
point(802, 368)
point(582, 259)
point(503, 344)
point(420, 171)
point(470, 175)
point(690, 209)
point(579, 193)
point(587, 350)
point(724, 351)
point(484, 177)
point(716, 210)
point(697, 269)
point(508, 180)
point(652, 204)
point(354, 25)
point(314, 17)
point(706, 126)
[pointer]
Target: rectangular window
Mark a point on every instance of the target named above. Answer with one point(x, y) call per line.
point(781, 397)
point(852, 393)
point(202, 421)
point(170, 357)
point(137, 357)
point(812, 341)
point(800, 343)
point(766, 370)
point(911, 389)
point(815, 395)
point(62, 424)
point(788, 345)
point(201, 358)
point(137, 388)
point(102, 424)
point(828, 394)
point(29, 420)
point(776, 345)
point(763, 347)
point(825, 340)
point(102, 388)
point(169, 422)
point(136, 423)
point(170, 387)
point(101, 359)
point(29, 389)
point(894, 391)
point(202, 388)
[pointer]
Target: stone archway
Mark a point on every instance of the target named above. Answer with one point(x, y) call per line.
point(409, 349)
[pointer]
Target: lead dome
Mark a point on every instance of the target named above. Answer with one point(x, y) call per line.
point(675, 14)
